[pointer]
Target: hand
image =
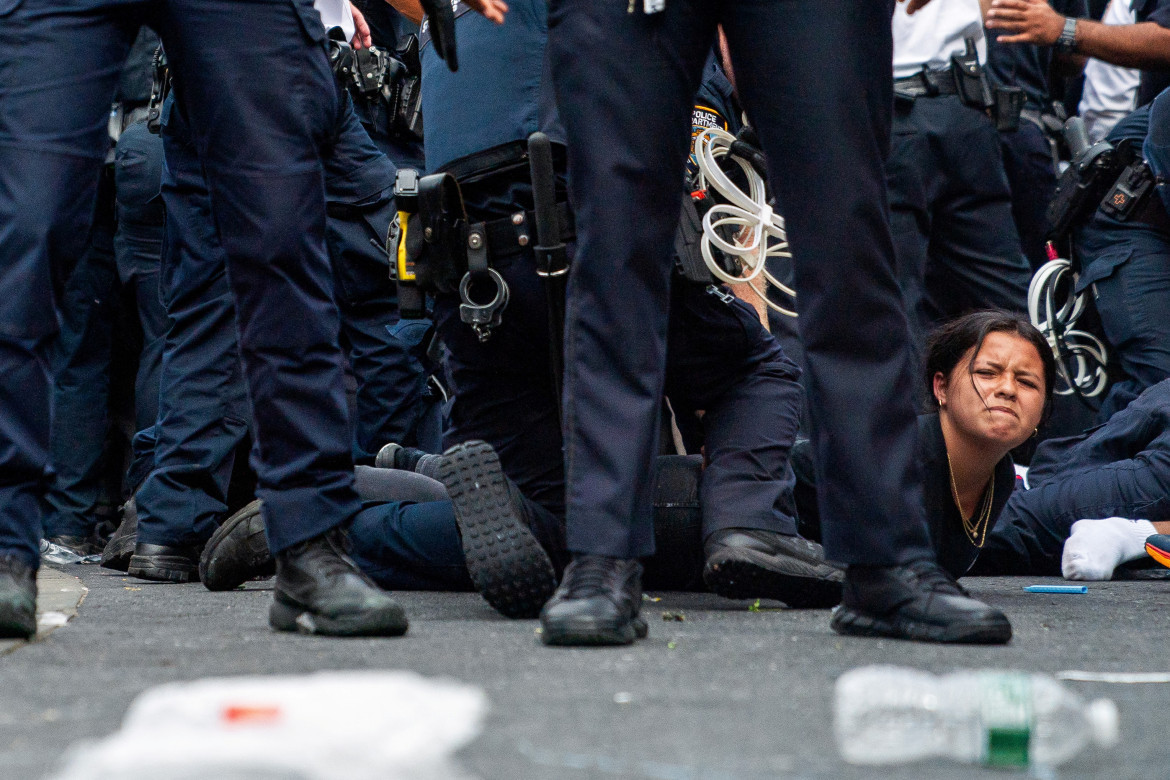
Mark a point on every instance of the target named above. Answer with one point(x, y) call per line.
point(492, 9)
point(361, 36)
point(1032, 21)
point(913, 5)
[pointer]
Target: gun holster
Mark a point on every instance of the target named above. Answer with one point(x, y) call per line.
point(1082, 186)
point(970, 81)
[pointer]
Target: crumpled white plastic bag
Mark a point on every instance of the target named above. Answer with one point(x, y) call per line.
point(323, 726)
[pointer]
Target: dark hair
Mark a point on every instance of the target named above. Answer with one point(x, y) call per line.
point(947, 346)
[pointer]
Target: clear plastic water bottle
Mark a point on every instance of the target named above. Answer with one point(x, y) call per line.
point(892, 715)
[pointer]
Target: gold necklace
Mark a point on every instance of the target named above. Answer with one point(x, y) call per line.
point(976, 529)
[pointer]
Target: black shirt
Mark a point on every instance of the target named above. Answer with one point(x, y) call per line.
point(952, 547)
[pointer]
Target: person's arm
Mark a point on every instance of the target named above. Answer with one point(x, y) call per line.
point(411, 9)
point(361, 36)
point(1143, 45)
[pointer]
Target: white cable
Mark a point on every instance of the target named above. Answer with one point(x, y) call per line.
point(1080, 356)
point(759, 231)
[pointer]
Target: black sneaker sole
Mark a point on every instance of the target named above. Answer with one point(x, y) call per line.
point(16, 623)
point(591, 632)
point(258, 561)
point(506, 563)
point(749, 574)
point(993, 631)
point(164, 568)
point(389, 621)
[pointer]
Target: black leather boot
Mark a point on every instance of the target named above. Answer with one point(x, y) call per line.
point(18, 598)
point(320, 590)
point(745, 563)
point(78, 545)
point(918, 601)
point(120, 548)
point(237, 551)
point(165, 562)
point(597, 603)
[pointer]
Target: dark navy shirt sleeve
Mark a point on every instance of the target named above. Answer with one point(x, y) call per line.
point(1153, 81)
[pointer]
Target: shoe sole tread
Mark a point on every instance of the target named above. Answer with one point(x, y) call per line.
point(505, 561)
point(993, 631)
point(390, 621)
point(163, 568)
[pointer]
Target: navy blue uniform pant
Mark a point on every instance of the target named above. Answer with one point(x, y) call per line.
point(204, 418)
point(138, 249)
point(1127, 267)
point(261, 141)
point(81, 385)
point(1027, 161)
point(814, 77)
point(951, 214)
point(107, 290)
point(1119, 469)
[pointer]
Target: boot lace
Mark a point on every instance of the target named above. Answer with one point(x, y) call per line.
point(587, 576)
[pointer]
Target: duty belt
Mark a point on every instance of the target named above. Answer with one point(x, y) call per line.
point(510, 235)
point(927, 83)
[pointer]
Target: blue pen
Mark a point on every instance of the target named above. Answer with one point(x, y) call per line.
point(1057, 588)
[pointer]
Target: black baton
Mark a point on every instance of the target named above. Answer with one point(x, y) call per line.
point(551, 256)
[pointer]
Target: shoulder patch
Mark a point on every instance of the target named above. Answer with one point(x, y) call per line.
point(702, 118)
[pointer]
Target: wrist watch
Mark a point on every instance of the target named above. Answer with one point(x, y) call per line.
point(1067, 42)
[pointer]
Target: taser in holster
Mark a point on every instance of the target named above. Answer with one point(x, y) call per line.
point(411, 300)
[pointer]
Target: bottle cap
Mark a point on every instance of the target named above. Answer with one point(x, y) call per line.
point(1105, 722)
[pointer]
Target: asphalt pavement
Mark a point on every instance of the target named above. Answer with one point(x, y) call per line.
point(720, 689)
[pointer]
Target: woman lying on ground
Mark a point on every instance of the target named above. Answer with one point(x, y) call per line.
point(989, 376)
point(1094, 498)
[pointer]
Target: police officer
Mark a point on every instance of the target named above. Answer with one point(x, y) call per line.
point(204, 415)
point(814, 79)
point(256, 81)
point(1144, 44)
point(1028, 151)
point(950, 206)
point(1124, 262)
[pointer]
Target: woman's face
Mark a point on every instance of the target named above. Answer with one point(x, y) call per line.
point(1001, 401)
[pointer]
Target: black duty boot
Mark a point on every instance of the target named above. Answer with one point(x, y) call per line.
point(506, 562)
point(165, 562)
point(120, 548)
point(597, 603)
point(79, 545)
point(237, 551)
point(18, 598)
point(918, 601)
point(745, 563)
point(319, 590)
